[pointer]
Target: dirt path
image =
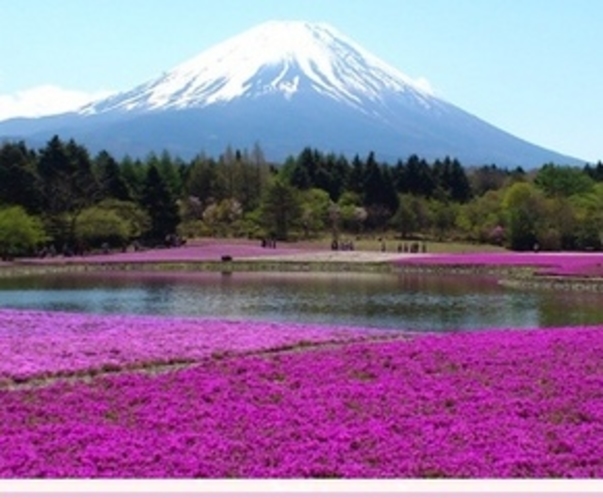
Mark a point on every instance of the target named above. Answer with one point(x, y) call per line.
point(160, 367)
point(335, 256)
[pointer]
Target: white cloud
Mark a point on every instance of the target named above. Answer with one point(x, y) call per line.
point(44, 101)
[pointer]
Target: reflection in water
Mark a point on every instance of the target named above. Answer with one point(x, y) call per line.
point(395, 301)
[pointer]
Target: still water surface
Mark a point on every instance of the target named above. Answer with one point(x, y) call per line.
point(393, 301)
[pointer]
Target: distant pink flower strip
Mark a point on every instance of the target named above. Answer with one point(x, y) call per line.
point(579, 264)
point(485, 405)
point(208, 251)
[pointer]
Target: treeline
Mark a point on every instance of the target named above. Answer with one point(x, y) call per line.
point(59, 198)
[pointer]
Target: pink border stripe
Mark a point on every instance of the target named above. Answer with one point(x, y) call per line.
point(472, 494)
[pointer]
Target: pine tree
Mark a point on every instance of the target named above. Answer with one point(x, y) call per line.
point(18, 178)
point(110, 177)
point(161, 207)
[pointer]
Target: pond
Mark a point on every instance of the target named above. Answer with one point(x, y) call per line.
point(413, 302)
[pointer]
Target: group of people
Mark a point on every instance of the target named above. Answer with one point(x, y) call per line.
point(67, 251)
point(346, 245)
point(414, 247)
point(269, 243)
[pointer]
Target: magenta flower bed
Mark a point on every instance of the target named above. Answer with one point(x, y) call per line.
point(492, 404)
point(38, 344)
point(578, 264)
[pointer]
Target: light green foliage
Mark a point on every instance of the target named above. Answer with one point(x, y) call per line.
point(443, 215)
point(113, 222)
point(316, 211)
point(20, 233)
point(482, 218)
point(563, 181)
point(406, 220)
point(351, 213)
point(311, 195)
point(525, 209)
point(96, 226)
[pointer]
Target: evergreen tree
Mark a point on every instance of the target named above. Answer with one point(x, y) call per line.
point(68, 186)
point(356, 178)
point(161, 207)
point(203, 182)
point(418, 178)
point(110, 178)
point(380, 198)
point(281, 210)
point(18, 178)
point(68, 183)
point(459, 186)
point(134, 173)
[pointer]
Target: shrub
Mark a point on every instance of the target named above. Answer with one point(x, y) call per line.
point(20, 233)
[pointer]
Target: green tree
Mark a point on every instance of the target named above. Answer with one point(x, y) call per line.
point(355, 183)
point(96, 226)
point(133, 172)
point(18, 178)
point(315, 211)
point(137, 219)
point(110, 177)
point(352, 214)
point(405, 220)
point(487, 178)
point(380, 198)
point(482, 218)
point(281, 210)
point(563, 181)
point(223, 218)
point(525, 211)
point(444, 216)
point(68, 186)
point(203, 183)
point(20, 233)
point(414, 177)
point(458, 183)
point(160, 206)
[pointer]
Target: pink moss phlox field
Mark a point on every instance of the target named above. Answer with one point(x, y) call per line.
point(36, 343)
point(571, 264)
point(490, 404)
point(207, 251)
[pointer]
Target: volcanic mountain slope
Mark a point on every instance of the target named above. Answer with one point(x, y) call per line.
point(286, 85)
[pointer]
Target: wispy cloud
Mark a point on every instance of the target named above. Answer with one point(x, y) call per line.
point(45, 100)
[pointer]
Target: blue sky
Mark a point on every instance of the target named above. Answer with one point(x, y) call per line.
point(531, 67)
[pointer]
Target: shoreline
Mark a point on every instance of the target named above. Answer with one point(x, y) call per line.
point(525, 276)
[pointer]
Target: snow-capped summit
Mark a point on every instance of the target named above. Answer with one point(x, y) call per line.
point(286, 86)
point(277, 57)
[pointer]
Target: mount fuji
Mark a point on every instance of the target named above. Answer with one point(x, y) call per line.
point(285, 85)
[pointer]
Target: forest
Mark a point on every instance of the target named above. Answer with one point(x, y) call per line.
point(61, 199)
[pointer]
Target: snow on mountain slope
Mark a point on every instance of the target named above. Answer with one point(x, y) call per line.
point(285, 85)
point(277, 57)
